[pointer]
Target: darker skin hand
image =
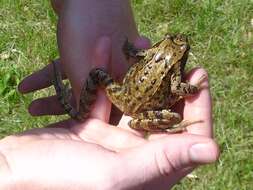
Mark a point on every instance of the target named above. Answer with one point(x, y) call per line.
point(95, 154)
point(80, 24)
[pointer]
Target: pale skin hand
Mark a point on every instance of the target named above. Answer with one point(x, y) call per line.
point(96, 155)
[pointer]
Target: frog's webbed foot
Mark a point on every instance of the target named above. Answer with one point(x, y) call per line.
point(181, 126)
point(160, 121)
point(97, 77)
point(185, 89)
point(62, 92)
point(157, 121)
point(130, 51)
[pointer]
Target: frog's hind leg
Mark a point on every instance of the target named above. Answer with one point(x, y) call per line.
point(185, 89)
point(97, 77)
point(155, 125)
point(131, 51)
point(62, 92)
point(157, 121)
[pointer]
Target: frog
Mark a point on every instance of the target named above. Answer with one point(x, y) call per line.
point(149, 90)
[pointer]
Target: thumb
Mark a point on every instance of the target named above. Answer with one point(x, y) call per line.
point(162, 162)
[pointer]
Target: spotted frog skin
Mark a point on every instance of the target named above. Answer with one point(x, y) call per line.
point(148, 91)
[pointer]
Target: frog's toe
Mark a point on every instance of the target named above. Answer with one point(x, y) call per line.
point(153, 125)
point(136, 124)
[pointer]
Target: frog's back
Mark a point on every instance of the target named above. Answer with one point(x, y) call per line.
point(148, 83)
point(146, 86)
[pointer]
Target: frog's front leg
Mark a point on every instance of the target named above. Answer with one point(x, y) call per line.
point(88, 95)
point(186, 89)
point(131, 51)
point(157, 121)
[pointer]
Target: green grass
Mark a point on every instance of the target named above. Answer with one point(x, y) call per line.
point(27, 42)
point(221, 33)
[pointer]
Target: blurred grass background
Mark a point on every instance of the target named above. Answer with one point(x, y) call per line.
point(221, 34)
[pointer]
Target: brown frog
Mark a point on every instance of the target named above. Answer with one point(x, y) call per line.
point(150, 88)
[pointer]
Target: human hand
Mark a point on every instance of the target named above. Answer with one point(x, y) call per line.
point(80, 24)
point(102, 155)
point(94, 154)
point(43, 79)
point(97, 155)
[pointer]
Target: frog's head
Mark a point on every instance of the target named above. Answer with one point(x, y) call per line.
point(176, 48)
point(177, 42)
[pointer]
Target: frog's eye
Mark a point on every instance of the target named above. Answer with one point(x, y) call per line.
point(168, 36)
point(180, 39)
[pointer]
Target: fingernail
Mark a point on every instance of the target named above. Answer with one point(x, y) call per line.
point(204, 153)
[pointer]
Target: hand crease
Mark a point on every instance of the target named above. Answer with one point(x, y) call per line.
point(169, 166)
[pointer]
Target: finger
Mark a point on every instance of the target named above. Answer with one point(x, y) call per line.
point(123, 123)
point(163, 158)
point(48, 106)
point(142, 42)
point(39, 80)
point(51, 106)
point(199, 107)
point(101, 108)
